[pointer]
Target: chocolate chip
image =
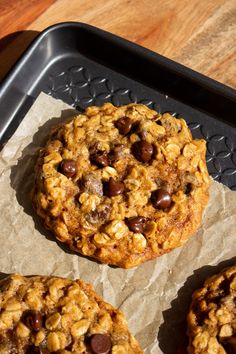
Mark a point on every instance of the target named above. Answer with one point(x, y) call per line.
point(230, 345)
point(142, 151)
point(161, 199)
point(100, 158)
point(113, 188)
point(33, 319)
point(124, 125)
point(68, 168)
point(100, 344)
point(91, 185)
point(136, 224)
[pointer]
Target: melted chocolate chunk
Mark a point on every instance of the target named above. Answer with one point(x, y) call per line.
point(68, 167)
point(33, 319)
point(136, 224)
point(100, 344)
point(161, 199)
point(113, 188)
point(142, 151)
point(91, 185)
point(93, 217)
point(116, 153)
point(99, 217)
point(124, 125)
point(100, 158)
point(104, 214)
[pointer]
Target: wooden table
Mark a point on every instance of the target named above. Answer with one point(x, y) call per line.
point(200, 34)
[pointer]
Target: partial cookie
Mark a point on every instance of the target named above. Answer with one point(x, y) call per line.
point(122, 184)
point(212, 315)
point(45, 315)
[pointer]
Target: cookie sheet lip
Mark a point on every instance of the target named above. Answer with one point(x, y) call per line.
point(212, 315)
point(45, 314)
point(123, 211)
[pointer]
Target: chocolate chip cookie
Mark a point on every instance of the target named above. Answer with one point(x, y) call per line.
point(122, 184)
point(45, 315)
point(212, 315)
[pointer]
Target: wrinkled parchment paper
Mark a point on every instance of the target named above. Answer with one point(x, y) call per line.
point(154, 296)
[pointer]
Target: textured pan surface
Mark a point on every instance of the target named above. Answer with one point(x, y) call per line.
point(84, 66)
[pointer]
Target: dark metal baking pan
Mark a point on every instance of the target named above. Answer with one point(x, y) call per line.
point(83, 65)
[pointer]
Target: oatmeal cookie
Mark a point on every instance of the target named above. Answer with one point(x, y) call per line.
point(46, 314)
point(212, 315)
point(122, 184)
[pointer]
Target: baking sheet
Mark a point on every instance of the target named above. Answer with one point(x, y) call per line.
point(153, 296)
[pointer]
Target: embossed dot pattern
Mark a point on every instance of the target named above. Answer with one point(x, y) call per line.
point(78, 86)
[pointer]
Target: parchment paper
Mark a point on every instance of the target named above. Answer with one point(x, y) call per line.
point(154, 296)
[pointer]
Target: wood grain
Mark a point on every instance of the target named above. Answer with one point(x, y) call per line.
point(17, 15)
point(199, 34)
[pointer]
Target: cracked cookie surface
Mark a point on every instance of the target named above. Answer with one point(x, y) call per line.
point(46, 314)
point(212, 315)
point(122, 184)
